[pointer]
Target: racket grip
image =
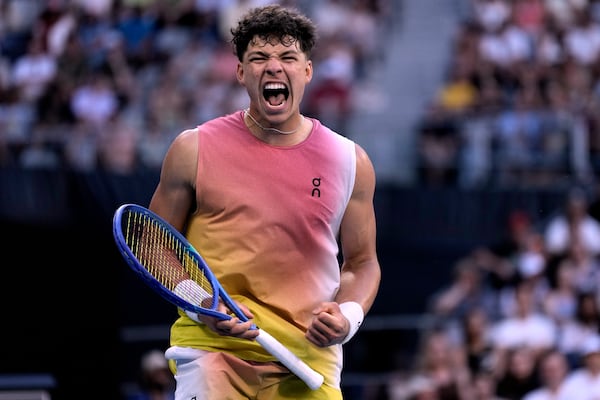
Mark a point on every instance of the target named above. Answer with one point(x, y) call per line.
point(312, 378)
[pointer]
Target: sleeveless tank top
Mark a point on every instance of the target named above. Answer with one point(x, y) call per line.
point(267, 223)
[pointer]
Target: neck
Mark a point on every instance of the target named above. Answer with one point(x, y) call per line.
point(269, 129)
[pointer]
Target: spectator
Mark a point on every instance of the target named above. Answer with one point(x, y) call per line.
point(445, 365)
point(496, 259)
point(574, 333)
point(476, 341)
point(484, 386)
point(156, 381)
point(582, 41)
point(573, 222)
point(528, 327)
point(519, 376)
point(34, 71)
point(584, 266)
point(137, 26)
point(560, 302)
point(466, 292)
point(491, 14)
point(584, 382)
point(95, 102)
point(530, 261)
point(330, 96)
point(553, 371)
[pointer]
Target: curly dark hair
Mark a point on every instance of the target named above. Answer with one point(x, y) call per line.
point(274, 24)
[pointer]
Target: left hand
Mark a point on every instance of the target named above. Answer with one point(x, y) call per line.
point(232, 327)
point(329, 326)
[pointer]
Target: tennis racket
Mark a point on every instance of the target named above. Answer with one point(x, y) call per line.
point(171, 266)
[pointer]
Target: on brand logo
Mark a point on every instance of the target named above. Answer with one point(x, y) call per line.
point(316, 192)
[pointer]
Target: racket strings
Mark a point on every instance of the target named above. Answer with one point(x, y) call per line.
point(166, 258)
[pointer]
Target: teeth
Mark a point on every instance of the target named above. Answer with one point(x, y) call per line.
point(274, 86)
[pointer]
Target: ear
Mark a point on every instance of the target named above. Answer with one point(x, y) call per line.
point(309, 71)
point(239, 73)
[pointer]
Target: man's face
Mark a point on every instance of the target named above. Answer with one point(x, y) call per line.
point(275, 75)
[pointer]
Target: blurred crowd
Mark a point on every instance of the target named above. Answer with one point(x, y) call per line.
point(520, 101)
point(520, 318)
point(107, 84)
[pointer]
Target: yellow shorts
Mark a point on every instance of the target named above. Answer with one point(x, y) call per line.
point(216, 375)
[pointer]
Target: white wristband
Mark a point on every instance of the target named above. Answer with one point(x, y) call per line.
point(355, 315)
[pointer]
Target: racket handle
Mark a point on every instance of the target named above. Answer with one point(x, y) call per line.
point(312, 378)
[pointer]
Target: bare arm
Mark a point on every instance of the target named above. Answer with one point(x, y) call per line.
point(361, 272)
point(173, 198)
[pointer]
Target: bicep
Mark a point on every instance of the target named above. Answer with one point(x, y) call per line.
point(173, 198)
point(358, 228)
point(361, 273)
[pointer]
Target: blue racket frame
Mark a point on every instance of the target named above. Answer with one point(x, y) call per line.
point(132, 261)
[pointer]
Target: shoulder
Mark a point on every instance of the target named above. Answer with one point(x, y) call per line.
point(180, 160)
point(362, 156)
point(365, 172)
point(185, 142)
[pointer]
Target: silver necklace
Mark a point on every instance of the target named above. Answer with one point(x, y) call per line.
point(264, 128)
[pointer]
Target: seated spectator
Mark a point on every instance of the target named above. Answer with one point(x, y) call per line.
point(476, 341)
point(484, 386)
point(573, 222)
point(574, 333)
point(527, 327)
point(584, 381)
point(34, 71)
point(519, 376)
point(553, 369)
point(496, 259)
point(466, 292)
point(329, 97)
point(156, 381)
point(560, 302)
point(445, 365)
point(95, 101)
point(531, 263)
point(584, 267)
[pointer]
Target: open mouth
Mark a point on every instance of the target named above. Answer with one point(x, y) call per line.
point(275, 93)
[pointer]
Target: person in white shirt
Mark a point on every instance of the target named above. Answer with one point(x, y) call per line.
point(583, 383)
point(574, 223)
point(553, 369)
point(527, 327)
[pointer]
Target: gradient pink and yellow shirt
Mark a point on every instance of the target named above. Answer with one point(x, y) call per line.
point(267, 223)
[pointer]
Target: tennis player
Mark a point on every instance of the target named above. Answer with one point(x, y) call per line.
point(269, 198)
